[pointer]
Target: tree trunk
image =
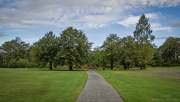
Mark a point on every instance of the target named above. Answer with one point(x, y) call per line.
point(141, 66)
point(111, 65)
point(70, 67)
point(112, 62)
point(124, 66)
point(128, 66)
point(50, 65)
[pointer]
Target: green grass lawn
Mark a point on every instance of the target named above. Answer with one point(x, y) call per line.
point(31, 85)
point(151, 85)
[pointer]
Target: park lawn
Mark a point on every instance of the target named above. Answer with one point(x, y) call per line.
point(145, 85)
point(31, 85)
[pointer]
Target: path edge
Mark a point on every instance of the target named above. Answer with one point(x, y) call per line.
point(83, 87)
point(113, 87)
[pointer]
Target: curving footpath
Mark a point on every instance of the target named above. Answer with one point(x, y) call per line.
point(97, 89)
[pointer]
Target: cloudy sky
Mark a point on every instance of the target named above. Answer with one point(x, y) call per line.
point(31, 19)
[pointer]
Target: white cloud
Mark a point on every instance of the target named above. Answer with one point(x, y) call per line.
point(153, 18)
point(163, 28)
point(77, 13)
point(129, 21)
point(132, 20)
point(32, 39)
point(156, 26)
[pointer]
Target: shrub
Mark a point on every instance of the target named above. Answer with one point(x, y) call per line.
point(23, 63)
point(12, 64)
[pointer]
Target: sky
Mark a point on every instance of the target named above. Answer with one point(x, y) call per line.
point(31, 19)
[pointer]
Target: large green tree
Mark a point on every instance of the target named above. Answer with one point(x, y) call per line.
point(170, 49)
point(143, 37)
point(109, 47)
point(127, 51)
point(45, 50)
point(157, 60)
point(74, 47)
point(14, 50)
point(95, 57)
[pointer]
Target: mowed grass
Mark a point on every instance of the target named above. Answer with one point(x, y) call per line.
point(151, 85)
point(30, 85)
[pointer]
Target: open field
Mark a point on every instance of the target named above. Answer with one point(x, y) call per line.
point(150, 85)
point(31, 85)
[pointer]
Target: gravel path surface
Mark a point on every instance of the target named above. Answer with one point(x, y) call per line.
point(97, 89)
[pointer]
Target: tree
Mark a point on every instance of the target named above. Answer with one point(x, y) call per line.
point(45, 50)
point(95, 57)
point(14, 50)
point(143, 37)
point(142, 34)
point(74, 47)
point(127, 51)
point(169, 49)
point(1, 58)
point(109, 46)
point(157, 59)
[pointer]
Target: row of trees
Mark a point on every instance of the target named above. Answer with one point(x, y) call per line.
point(73, 48)
point(128, 51)
point(15, 53)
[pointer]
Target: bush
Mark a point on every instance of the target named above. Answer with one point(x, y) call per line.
point(174, 65)
point(166, 64)
point(152, 63)
point(47, 65)
point(12, 64)
point(23, 63)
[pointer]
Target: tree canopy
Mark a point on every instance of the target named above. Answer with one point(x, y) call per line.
point(143, 37)
point(109, 46)
point(13, 51)
point(170, 49)
point(74, 47)
point(45, 50)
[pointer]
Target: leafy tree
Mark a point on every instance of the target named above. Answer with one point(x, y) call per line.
point(128, 51)
point(109, 46)
point(1, 59)
point(24, 63)
point(14, 50)
point(45, 50)
point(157, 60)
point(142, 34)
point(169, 49)
point(95, 57)
point(143, 37)
point(74, 47)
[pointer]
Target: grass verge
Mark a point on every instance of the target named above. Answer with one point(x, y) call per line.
point(149, 85)
point(29, 85)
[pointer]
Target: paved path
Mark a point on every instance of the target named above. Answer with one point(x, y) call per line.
point(97, 89)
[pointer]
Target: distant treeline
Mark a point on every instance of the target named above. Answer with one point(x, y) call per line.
point(72, 49)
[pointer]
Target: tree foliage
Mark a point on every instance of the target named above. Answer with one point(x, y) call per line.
point(45, 50)
point(127, 51)
point(143, 37)
point(14, 50)
point(74, 47)
point(170, 49)
point(108, 47)
point(96, 57)
point(143, 31)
